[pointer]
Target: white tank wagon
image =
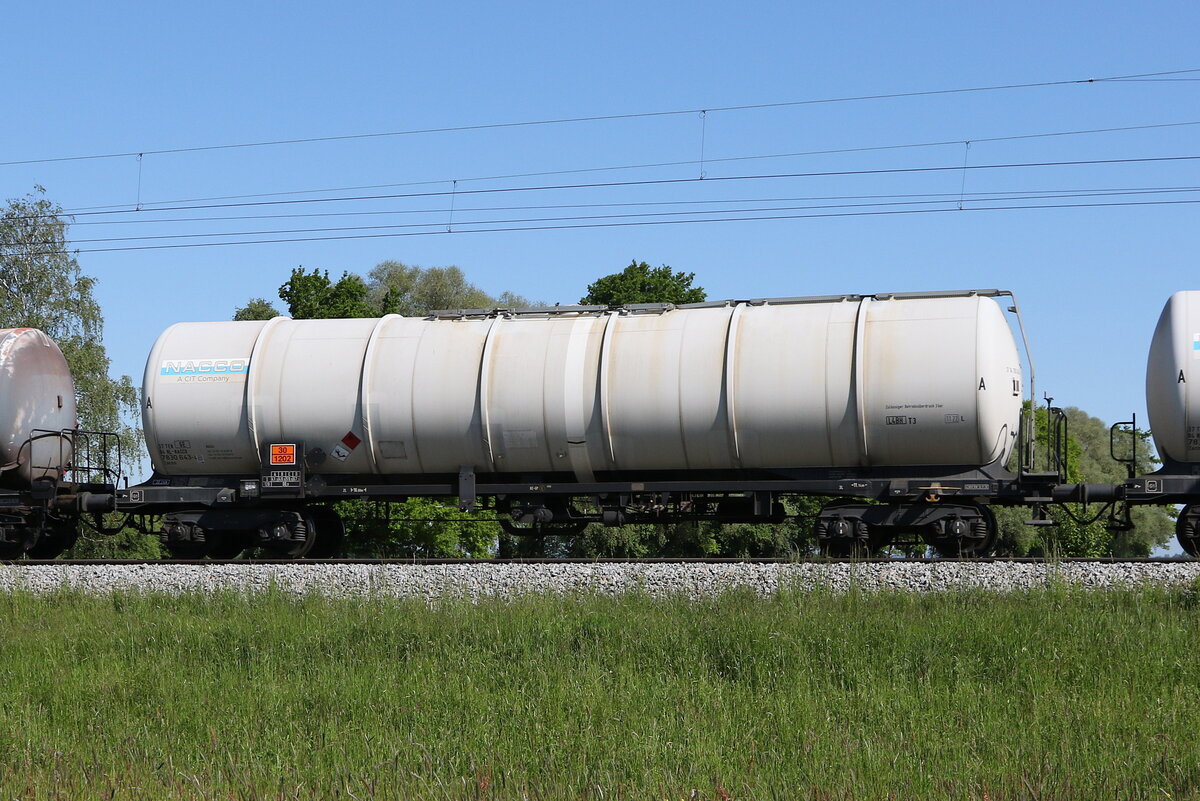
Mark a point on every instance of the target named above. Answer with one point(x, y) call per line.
point(39, 437)
point(1173, 401)
point(1173, 380)
point(847, 382)
point(649, 412)
point(37, 403)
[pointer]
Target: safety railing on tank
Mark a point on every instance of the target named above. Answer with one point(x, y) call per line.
point(1126, 454)
point(1043, 444)
point(83, 457)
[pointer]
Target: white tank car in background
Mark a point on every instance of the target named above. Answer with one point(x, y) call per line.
point(40, 502)
point(1173, 380)
point(37, 403)
point(1173, 401)
point(853, 382)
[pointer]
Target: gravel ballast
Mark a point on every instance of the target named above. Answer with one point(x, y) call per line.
point(507, 580)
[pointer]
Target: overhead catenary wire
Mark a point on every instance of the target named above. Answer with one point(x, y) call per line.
point(626, 204)
point(494, 223)
point(623, 224)
point(653, 182)
point(148, 206)
point(596, 118)
point(438, 223)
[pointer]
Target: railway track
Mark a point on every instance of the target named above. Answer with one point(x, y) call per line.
point(477, 579)
point(650, 561)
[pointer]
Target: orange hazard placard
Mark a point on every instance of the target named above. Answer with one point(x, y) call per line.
point(283, 454)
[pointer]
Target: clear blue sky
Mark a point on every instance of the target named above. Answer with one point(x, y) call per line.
point(87, 78)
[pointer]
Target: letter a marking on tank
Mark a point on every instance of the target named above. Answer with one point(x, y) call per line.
point(982, 385)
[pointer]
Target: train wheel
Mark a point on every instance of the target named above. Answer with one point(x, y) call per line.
point(978, 538)
point(184, 538)
point(226, 544)
point(1187, 530)
point(845, 535)
point(10, 552)
point(330, 533)
point(22, 540)
point(54, 541)
point(294, 548)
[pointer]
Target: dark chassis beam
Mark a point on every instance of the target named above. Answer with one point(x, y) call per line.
point(1167, 486)
point(990, 485)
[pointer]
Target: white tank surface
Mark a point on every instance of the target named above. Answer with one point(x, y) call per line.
point(1172, 395)
point(851, 381)
point(37, 401)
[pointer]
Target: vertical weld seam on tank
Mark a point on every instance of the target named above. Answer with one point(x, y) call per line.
point(680, 384)
point(857, 379)
point(251, 397)
point(427, 327)
point(980, 434)
point(365, 394)
point(605, 423)
point(483, 395)
point(731, 340)
point(1185, 363)
point(827, 383)
point(575, 422)
point(547, 446)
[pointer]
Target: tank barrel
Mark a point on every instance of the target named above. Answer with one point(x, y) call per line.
point(786, 383)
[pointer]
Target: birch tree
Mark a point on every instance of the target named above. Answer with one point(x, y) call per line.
point(42, 286)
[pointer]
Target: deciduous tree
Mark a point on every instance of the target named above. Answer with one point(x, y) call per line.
point(641, 283)
point(42, 286)
point(256, 309)
point(313, 296)
point(397, 288)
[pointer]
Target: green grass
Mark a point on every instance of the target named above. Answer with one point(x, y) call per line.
point(1057, 694)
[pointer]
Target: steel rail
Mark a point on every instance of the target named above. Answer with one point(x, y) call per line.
point(607, 560)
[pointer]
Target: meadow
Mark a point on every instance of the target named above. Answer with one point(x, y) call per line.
point(1053, 694)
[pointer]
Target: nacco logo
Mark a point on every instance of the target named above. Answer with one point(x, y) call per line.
point(204, 367)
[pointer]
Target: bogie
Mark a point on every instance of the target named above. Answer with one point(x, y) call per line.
point(1187, 529)
point(851, 529)
point(314, 532)
point(54, 540)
